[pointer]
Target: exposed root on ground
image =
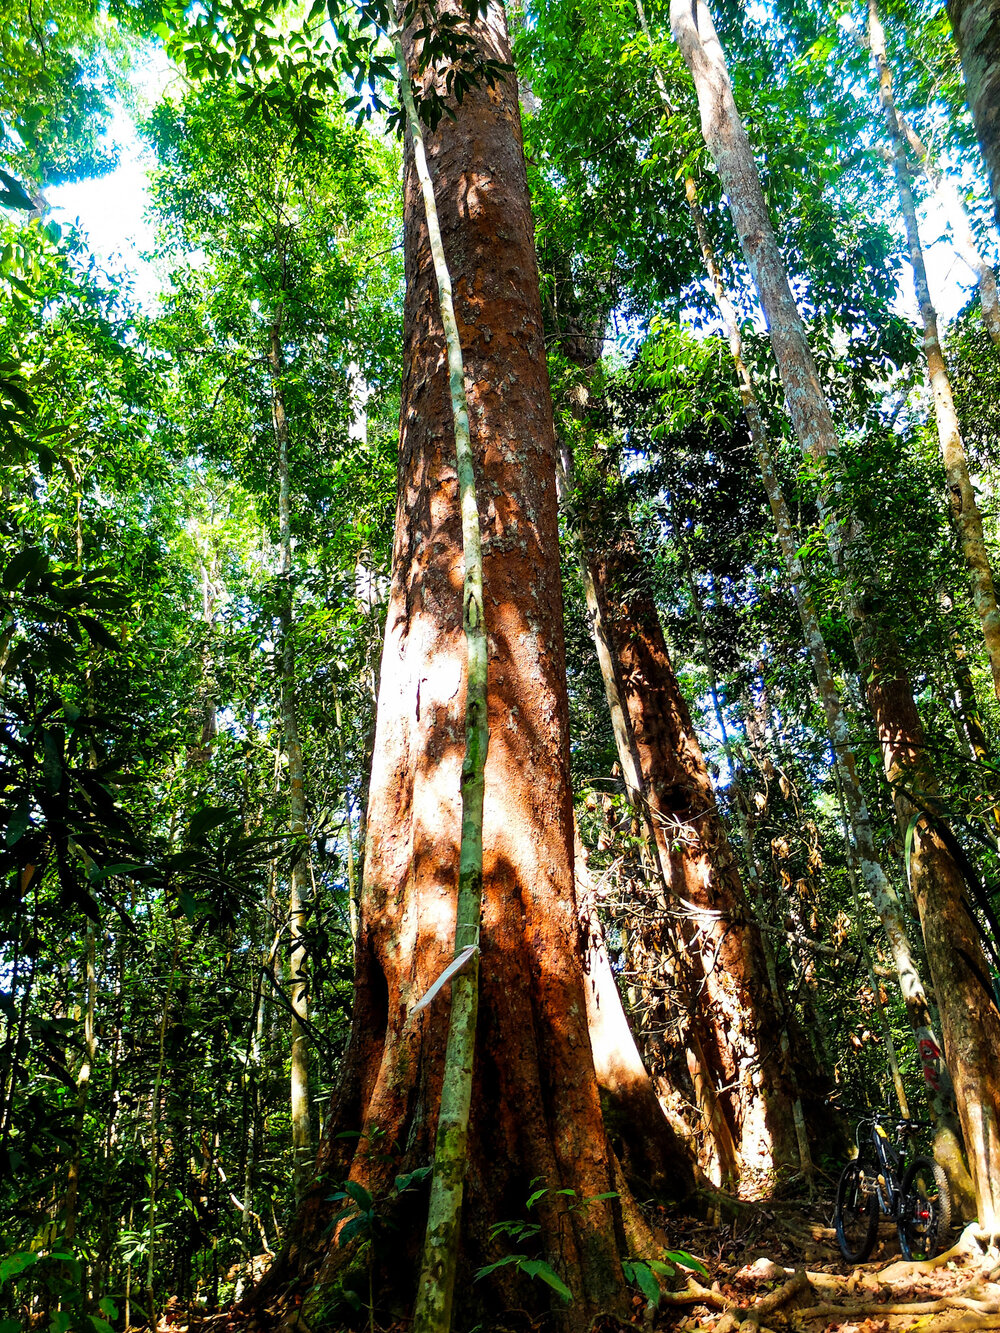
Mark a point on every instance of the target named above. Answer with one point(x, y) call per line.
point(772, 1267)
point(773, 1291)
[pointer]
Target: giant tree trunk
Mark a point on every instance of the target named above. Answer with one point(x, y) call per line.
point(968, 1026)
point(976, 25)
point(536, 1112)
point(965, 510)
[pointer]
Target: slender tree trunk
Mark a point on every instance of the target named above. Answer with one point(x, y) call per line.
point(961, 230)
point(82, 1083)
point(887, 1039)
point(779, 999)
point(535, 1108)
point(976, 25)
point(968, 1026)
point(965, 511)
point(740, 1031)
point(89, 959)
point(718, 1137)
point(861, 844)
point(298, 874)
point(154, 1132)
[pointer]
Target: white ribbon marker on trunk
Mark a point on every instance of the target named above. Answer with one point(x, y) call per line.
point(453, 968)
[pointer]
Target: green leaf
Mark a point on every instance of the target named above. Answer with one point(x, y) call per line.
point(359, 1194)
point(17, 824)
point(487, 1269)
point(21, 566)
point(206, 819)
point(538, 1194)
point(664, 1270)
point(14, 194)
point(15, 1264)
point(98, 633)
point(642, 1276)
point(539, 1268)
point(418, 1174)
point(61, 1322)
point(684, 1260)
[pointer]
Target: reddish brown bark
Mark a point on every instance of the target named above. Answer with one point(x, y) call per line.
point(536, 1112)
point(735, 1027)
point(970, 1022)
point(733, 1030)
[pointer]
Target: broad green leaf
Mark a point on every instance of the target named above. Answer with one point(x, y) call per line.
point(540, 1269)
point(14, 1264)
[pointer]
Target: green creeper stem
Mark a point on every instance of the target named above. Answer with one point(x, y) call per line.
point(437, 1277)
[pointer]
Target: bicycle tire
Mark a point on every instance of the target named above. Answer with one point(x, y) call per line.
point(924, 1209)
point(855, 1217)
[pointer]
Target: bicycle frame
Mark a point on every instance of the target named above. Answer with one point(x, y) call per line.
point(889, 1161)
point(887, 1181)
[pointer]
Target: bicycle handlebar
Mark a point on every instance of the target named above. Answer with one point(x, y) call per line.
point(899, 1123)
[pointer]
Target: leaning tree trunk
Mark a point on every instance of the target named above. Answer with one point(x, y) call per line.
point(967, 1026)
point(965, 512)
point(535, 1110)
point(962, 236)
point(734, 1028)
point(864, 853)
point(976, 25)
point(970, 1021)
point(720, 947)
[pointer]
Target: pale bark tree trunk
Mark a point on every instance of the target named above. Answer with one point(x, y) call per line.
point(970, 1026)
point(82, 1083)
point(964, 507)
point(961, 230)
point(535, 1108)
point(298, 875)
point(976, 25)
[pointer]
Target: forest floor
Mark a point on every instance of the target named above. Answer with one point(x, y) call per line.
point(771, 1267)
point(776, 1266)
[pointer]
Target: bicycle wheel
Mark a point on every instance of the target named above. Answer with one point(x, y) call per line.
point(924, 1209)
point(856, 1215)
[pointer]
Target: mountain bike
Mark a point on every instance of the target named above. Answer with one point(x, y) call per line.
point(879, 1181)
